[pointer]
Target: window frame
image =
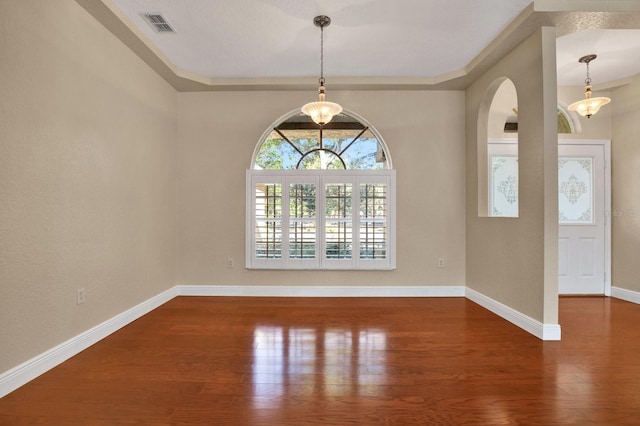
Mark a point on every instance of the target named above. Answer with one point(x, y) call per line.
point(320, 178)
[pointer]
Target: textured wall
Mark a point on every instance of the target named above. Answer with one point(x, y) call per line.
point(425, 135)
point(625, 180)
point(514, 260)
point(87, 177)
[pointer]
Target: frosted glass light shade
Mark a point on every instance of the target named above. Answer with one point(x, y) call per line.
point(321, 111)
point(588, 106)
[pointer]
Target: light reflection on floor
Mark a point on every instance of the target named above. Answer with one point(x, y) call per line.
point(291, 362)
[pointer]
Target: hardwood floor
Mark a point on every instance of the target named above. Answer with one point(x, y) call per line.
point(333, 361)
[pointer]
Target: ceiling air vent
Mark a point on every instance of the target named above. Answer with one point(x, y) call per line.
point(158, 23)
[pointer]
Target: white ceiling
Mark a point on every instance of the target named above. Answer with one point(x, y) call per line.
point(277, 38)
point(367, 38)
point(618, 56)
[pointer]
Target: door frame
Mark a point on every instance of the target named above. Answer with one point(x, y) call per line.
point(606, 144)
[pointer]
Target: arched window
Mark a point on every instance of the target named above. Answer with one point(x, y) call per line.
point(297, 143)
point(321, 197)
point(566, 123)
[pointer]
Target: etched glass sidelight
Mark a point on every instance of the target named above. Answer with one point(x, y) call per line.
point(504, 186)
point(575, 191)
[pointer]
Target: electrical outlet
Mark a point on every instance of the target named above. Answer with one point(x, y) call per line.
point(230, 262)
point(441, 263)
point(81, 297)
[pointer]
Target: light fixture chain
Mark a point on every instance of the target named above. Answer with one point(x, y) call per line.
point(322, 55)
point(588, 80)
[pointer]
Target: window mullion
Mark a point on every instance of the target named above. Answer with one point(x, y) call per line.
point(355, 222)
point(321, 243)
point(286, 223)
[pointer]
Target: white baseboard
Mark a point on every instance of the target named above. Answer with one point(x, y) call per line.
point(322, 291)
point(538, 329)
point(624, 294)
point(29, 370)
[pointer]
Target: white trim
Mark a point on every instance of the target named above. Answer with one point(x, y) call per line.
point(18, 376)
point(498, 141)
point(322, 291)
point(624, 294)
point(29, 370)
point(535, 327)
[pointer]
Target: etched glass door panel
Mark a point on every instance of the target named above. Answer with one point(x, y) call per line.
point(575, 190)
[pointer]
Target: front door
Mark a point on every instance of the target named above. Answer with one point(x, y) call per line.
point(581, 211)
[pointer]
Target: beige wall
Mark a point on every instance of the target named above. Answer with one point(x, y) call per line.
point(514, 260)
point(424, 131)
point(87, 177)
point(625, 168)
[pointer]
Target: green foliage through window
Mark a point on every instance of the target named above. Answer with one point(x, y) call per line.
point(300, 144)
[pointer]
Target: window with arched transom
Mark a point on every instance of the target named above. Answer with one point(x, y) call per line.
point(297, 143)
point(321, 197)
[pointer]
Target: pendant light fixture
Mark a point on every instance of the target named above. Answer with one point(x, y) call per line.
point(321, 112)
point(588, 106)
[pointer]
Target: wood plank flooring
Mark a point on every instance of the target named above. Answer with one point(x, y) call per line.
point(335, 361)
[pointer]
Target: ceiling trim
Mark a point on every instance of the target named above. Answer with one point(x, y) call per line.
point(567, 16)
point(586, 6)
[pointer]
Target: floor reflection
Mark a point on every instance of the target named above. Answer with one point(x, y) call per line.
point(291, 362)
